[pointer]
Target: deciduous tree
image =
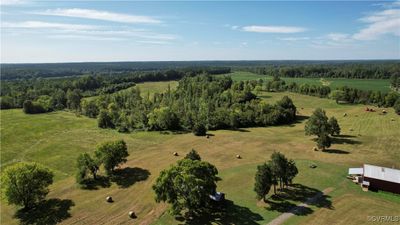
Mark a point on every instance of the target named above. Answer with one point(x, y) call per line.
point(187, 186)
point(111, 154)
point(263, 180)
point(25, 184)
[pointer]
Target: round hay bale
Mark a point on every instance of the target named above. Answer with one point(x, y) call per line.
point(207, 136)
point(132, 214)
point(176, 154)
point(109, 199)
point(238, 157)
point(315, 149)
point(313, 166)
point(345, 114)
point(383, 111)
point(392, 119)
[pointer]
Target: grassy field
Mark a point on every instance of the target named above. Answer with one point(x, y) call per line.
point(55, 140)
point(363, 84)
point(156, 87)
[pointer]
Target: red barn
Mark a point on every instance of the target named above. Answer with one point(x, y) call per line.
point(381, 178)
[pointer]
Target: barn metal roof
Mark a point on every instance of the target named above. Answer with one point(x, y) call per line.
point(382, 173)
point(355, 171)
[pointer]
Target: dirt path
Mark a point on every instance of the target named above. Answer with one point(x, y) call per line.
point(284, 216)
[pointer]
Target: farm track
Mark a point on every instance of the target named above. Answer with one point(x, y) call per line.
point(285, 216)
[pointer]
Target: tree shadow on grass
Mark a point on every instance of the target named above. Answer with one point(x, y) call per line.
point(346, 136)
point(226, 212)
point(336, 151)
point(298, 193)
point(47, 212)
point(128, 176)
point(240, 130)
point(340, 140)
point(94, 184)
point(301, 118)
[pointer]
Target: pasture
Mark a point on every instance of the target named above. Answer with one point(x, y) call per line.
point(362, 84)
point(55, 140)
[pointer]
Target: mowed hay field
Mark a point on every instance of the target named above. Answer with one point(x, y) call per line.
point(382, 85)
point(55, 140)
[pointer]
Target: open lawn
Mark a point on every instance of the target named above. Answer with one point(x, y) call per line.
point(55, 139)
point(363, 84)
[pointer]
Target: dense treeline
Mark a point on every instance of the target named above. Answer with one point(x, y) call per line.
point(377, 70)
point(52, 94)
point(289, 68)
point(51, 70)
point(341, 95)
point(200, 102)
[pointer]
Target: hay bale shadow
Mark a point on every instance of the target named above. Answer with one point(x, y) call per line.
point(47, 212)
point(128, 176)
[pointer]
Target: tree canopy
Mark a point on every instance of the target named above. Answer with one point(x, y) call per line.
point(193, 155)
point(187, 186)
point(278, 170)
point(111, 154)
point(25, 184)
point(86, 165)
point(334, 126)
point(317, 124)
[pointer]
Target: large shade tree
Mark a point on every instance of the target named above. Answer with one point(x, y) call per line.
point(187, 186)
point(111, 154)
point(317, 124)
point(25, 184)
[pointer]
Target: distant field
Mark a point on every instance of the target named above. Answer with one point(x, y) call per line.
point(156, 87)
point(55, 139)
point(363, 84)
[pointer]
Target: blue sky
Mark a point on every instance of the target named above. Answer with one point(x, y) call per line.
point(76, 31)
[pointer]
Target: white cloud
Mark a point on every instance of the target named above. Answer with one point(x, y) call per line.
point(12, 2)
point(85, 38)
point(100, 15)
point(154, 42)
point(339, 37)
point(380, 23)
point(44, 25)
point(294, 38)
point(83, 31)
point(273, 29)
